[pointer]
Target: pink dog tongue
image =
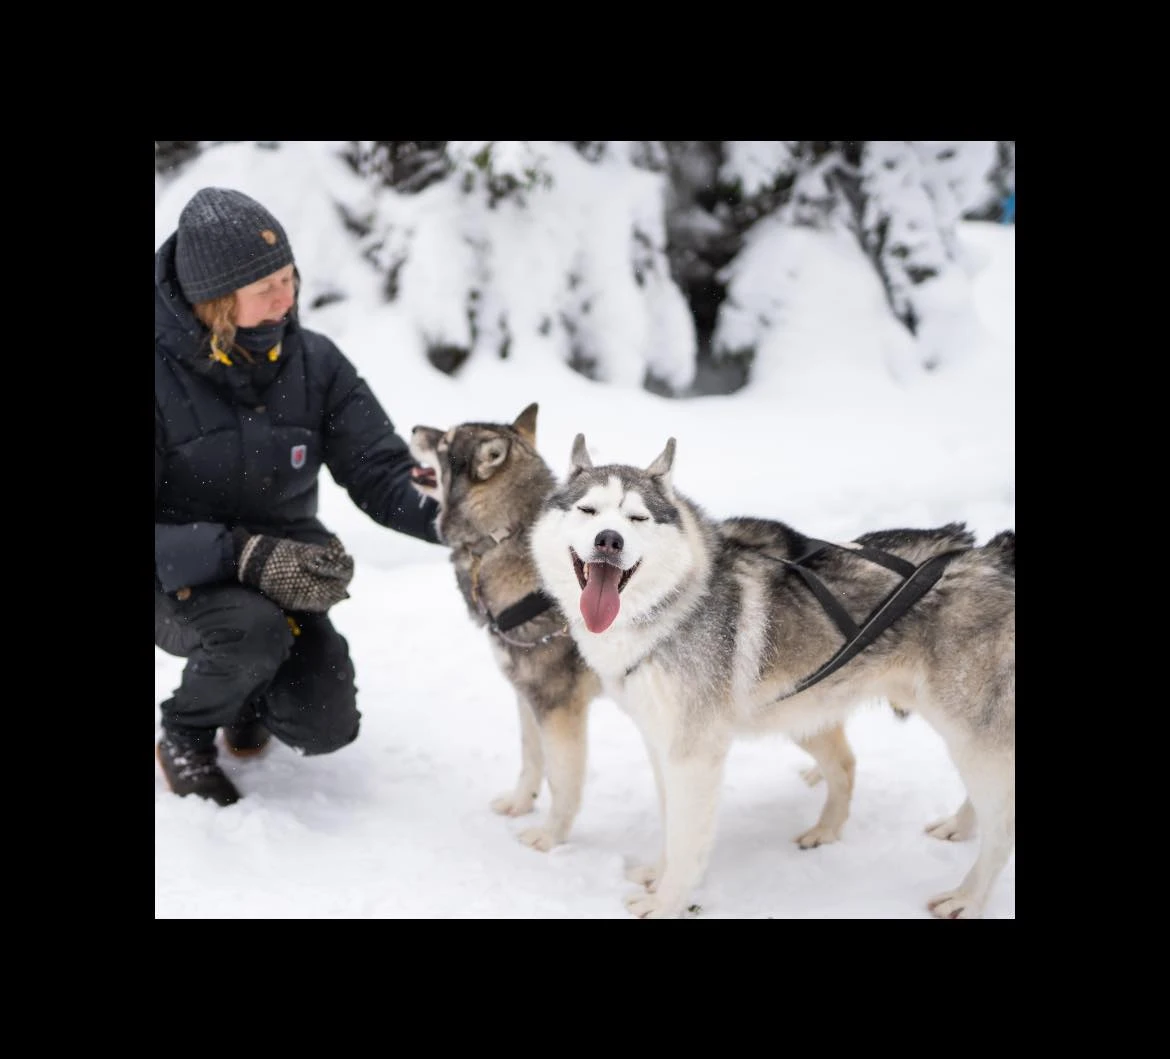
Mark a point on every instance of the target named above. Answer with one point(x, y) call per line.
point(600, 602)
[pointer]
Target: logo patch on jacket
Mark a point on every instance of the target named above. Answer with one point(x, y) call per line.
point(299, 452)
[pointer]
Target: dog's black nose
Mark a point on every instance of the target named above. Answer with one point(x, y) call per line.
point(608, 541)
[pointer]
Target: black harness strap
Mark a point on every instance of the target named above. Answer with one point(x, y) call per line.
point(529, 607)
point(831, 603)
point(875, 555)
point(890, 562)
point(900, 600)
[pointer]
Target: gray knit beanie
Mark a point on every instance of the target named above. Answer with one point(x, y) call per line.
point(225, 241)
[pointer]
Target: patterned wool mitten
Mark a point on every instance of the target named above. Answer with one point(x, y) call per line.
point(297, 575)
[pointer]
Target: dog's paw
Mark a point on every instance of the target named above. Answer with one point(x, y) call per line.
point(812, 776)
point(651, 906)
point(644, 875)
point(817, 836)
point(955, 904)
point(952, 829)
point(539, 838)
point(513, 803)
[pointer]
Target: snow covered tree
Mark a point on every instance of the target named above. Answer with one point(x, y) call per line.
point(551, 248)
point(901, 199)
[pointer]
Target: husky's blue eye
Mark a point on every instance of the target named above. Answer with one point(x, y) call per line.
point(587, 510)
point(639, 518)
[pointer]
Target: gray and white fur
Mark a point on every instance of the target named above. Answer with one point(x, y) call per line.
point(701, 634)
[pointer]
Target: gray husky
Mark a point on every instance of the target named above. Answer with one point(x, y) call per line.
point(490, 482)
point(704, 630)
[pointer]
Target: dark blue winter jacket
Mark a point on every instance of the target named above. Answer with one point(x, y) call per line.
point(241, 446)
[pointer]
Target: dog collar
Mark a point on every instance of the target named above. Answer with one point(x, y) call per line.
point(531, 606)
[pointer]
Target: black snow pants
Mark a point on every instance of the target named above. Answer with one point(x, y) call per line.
point(246, 657)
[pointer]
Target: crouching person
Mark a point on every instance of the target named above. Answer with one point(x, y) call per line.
point(249, 406)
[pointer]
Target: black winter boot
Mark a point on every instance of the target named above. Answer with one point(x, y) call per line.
point(189, 763)
point(247, 737)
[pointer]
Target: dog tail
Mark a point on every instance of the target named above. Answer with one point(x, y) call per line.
point(1002, 549)
point(920, 544)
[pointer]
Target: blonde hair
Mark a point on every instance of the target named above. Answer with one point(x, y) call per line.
point(219, 316)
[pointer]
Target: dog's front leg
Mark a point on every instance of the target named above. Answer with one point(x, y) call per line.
point(690, 788)
point(562, 731)
point(647, 875)
point(519, 801)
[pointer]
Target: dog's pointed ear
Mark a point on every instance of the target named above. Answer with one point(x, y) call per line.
point(525, 424)
point(489, 456)
point(663, 463)
point(579, 459)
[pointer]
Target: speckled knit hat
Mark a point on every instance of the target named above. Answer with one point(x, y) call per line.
point(226, 240)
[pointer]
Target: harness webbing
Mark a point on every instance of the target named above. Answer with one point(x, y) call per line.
point(529, 607)
point(914, 585)
point(830, 603)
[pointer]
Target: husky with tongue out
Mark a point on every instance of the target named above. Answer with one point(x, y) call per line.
point(705, 630)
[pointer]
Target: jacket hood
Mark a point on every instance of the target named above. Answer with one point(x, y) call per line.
point(176, 328)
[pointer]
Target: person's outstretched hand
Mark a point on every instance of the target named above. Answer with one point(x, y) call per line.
point(298, 576)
